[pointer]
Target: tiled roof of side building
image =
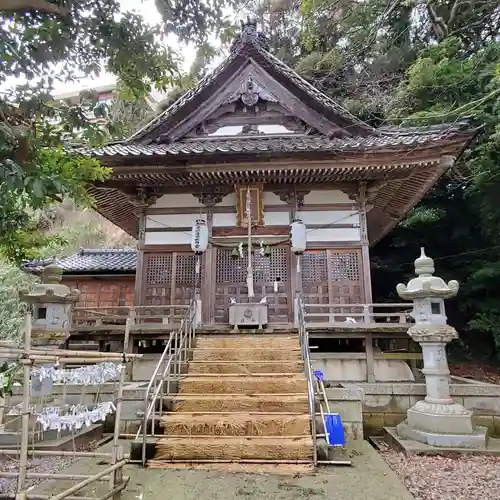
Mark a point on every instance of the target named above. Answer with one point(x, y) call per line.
point(89, 261)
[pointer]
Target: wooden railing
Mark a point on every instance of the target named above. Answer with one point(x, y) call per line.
point(141, 316)
point(358, 315)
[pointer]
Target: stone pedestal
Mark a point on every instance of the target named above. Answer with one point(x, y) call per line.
point(437, 420)
point(247, 315)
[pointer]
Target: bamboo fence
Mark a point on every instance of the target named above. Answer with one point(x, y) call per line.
point(113, 474)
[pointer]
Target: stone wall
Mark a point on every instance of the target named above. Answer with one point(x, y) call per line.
point(347, 402)
point(385, 404)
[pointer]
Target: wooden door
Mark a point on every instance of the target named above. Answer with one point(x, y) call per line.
point(230, 282)
point(169, 278)
point(332, 277)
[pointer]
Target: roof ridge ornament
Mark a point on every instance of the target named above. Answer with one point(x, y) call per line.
point(249, 34)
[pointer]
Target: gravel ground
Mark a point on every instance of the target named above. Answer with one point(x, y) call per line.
point(447, 478)
point(43, 465)
point(46, 465)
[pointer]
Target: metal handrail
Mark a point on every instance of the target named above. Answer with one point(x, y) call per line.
point(311, 398)
point(168, 368)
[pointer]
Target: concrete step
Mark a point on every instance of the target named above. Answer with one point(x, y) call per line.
point(246, 355)
point(235, 424)
point(244, 384)
point(244, 367)
point(279, 403)
point(234, 448)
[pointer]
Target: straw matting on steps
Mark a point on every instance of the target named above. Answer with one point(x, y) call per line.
point(245, 384)
point(244, 398)
point(248, 342)
point(242, 354)
point(220, 367)
point(235, 467)
point(234, 448)
point(295, 403)
point(235, 424)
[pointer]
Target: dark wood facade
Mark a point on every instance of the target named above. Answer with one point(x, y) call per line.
point(104, 291)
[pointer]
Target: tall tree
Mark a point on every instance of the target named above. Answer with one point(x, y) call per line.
point(43, 43)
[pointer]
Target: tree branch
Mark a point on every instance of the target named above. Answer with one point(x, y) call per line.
point(33, 5)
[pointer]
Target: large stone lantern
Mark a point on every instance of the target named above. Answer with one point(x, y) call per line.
point(52, 304)
point(437, 420)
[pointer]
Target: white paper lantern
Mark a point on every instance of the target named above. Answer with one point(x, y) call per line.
point(199, 237)
point(298, 237)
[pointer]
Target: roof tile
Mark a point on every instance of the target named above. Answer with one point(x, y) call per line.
point(91, 260)
point(284, 143)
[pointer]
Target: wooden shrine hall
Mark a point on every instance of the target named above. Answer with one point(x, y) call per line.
point(254, 129)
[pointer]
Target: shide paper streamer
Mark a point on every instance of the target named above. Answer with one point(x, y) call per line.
point(55, 418)
point(52, 418)
point(85, 375)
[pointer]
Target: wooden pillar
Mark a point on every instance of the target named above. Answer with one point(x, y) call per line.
point(139, 270)
point(209, 200)
point(295, 201)
point(208, 275)
point(365, 244)
point(370, 361)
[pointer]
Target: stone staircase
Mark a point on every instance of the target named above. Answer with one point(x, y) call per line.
point(244, 398)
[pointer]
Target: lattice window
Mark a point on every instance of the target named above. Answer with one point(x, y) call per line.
point(159, 269)
point(278, 264)
point(185, 269)
point(314, 267)
point(265, 269)
point(345, 266)
point(229, 270)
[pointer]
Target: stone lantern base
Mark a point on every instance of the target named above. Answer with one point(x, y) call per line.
point(442, 425)
point(478, 439)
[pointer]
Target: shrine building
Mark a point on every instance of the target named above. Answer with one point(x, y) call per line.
point(255, 126)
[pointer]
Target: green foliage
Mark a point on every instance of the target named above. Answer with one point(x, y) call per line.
point(413, 63)
point(10, 373)
point(41, 45)
point(12, 309)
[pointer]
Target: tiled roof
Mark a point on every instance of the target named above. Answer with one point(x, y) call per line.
point(388, 138)
point(91, 261)
point(251, 46)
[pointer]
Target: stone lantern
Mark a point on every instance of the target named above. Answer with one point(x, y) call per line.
point(52, 304)
point(436, 420)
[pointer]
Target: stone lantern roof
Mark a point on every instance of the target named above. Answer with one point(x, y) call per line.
point(50, 290)
point(425, 285)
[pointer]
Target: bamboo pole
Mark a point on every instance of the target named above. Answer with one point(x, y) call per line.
point(116, 478)
point(25, 417)
point(62, 353)
point(46, 475)
point(53, 453)
point(31, 359)
point(39, 496)
point(90, 480)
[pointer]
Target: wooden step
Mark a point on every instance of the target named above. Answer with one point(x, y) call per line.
point(249, 342)
point(234, 448)
point(235, 424)
point(294, 469)
point(279, 403)
point(248, 367)
point(243, 384)
point(238, 354)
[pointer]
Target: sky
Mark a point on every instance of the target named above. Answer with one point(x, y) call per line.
point(148, 10)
